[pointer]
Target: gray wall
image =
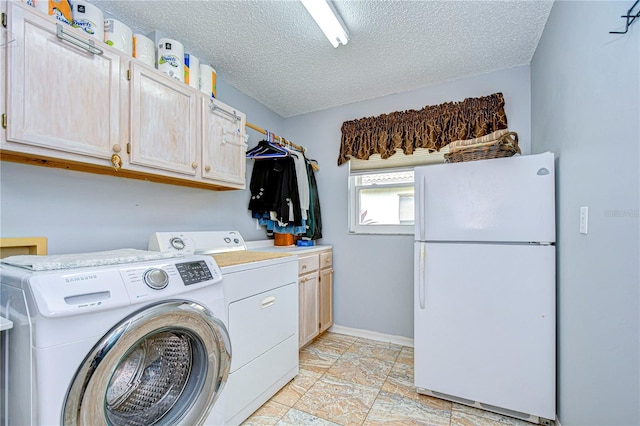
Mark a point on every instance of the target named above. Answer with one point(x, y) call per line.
point(81, 212)
point(585, 108)
point(373, 279)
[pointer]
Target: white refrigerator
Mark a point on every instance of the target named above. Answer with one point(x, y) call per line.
point(484, 300)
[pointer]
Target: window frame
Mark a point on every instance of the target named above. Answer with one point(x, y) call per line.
point(355, 228)
point(375, 164)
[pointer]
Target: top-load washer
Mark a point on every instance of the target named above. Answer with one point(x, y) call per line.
point(137, 343)
point(261, 301)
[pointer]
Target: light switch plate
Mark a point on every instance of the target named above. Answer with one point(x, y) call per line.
point(584, 220)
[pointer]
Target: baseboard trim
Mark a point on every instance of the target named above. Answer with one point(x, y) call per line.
point(373, 335)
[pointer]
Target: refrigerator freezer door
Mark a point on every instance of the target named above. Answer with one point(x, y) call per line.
point(505, 199)
point(487, 329)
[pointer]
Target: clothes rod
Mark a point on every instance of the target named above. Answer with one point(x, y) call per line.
point(281, 139)
point(284, 141)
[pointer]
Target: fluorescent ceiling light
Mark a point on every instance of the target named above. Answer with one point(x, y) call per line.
point(328, 21)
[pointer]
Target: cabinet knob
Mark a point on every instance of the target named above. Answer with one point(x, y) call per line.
point(194, 165)
point(116, 148)
point(207, 168)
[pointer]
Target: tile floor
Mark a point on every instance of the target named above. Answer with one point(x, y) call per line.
point(346, 380)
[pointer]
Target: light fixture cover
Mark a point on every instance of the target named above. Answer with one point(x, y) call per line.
point(328, 21)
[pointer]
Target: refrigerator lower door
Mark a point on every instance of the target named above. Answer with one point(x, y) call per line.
point(485, 324)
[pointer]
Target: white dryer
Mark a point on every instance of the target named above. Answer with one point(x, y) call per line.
point(127, 344)
point(261, 301)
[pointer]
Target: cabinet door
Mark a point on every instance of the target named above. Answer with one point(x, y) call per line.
point(223, 143)
point(60, 96)
point(163, 122)
point(325, 298)
point(308, 309)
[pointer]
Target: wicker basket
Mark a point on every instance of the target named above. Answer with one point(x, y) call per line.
point(505, 146)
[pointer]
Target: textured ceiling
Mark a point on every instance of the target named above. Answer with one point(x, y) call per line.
point(274, 52)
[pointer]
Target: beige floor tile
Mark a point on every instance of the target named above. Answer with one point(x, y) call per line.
point(354, 368)
point(462, 415)
point(315, 359)
point(338, 401)
point(331, 346)
point(268, 414)
point(387, 352)
point(295, 417)
point(400, 382)
point(291, 393)
point(337, 337)
point(345, 380)
point(401, 375)
point(378, 343)
point(393, 409)
point(405, 356)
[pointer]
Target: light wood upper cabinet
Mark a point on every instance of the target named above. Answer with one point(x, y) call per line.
point(223, 143)
point(163, 122)
point(62, 97)
point(70, 101)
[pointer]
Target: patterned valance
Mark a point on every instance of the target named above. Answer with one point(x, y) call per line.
point(432, 127)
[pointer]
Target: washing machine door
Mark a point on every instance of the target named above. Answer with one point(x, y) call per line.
point(164, 365)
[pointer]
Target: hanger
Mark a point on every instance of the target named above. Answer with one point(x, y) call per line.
point(313, 163)
point(268, 149)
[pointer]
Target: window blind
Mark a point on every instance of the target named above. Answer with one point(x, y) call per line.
point(419, 157)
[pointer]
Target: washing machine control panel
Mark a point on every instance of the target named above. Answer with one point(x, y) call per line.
point(156, 278)
point(194, 272)
point(71, 291)
point(177, 276)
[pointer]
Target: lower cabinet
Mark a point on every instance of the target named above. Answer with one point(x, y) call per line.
point(325, 291)
point(315, 294)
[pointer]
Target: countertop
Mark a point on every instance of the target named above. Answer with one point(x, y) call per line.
point(267, 245)
point(245, 256)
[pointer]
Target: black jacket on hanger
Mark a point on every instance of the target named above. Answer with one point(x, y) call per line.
point(274, 187)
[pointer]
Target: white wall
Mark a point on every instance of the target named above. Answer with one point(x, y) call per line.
point(585, 107)
point(374, 273)
point(81, 212)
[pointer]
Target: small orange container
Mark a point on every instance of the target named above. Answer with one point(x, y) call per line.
point(282, 239)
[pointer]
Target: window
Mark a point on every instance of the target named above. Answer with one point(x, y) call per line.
point(381, 199)
point(382, 202)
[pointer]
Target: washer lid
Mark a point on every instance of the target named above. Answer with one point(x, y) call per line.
point(54, 262)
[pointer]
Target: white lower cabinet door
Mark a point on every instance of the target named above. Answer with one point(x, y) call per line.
point(63, 95)
point(485, 324)
point(163, 122)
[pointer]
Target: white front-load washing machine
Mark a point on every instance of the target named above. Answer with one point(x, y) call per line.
point(127, 344)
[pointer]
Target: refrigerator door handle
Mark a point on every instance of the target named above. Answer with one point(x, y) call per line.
point(421, 280)
point(422, 206)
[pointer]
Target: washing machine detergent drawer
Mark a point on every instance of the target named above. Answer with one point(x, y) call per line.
point(260, 322)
